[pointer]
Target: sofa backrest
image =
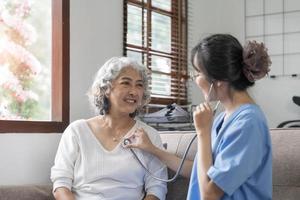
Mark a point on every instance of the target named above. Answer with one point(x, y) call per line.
point(286, 162)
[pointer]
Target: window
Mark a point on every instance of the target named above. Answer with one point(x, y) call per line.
point(274, 22)
point(155, 34)
point(34, 66)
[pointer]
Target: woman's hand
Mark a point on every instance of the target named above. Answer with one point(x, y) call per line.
point(139, 139)
point(203, 118)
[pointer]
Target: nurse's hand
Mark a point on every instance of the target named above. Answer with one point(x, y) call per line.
point(203, 118)
point(139, 139)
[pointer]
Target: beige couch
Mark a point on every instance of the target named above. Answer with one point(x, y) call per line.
point(286, 169)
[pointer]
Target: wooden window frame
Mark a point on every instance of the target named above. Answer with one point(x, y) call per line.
point(179, 63)
point(60, 78)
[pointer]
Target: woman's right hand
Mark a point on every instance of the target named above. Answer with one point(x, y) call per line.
point(139, 139)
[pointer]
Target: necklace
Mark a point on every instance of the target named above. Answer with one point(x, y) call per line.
point(116, 139)
point(120, 133)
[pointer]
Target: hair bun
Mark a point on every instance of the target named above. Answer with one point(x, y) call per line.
point(256, 60)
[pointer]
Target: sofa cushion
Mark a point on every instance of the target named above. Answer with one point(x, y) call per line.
point(177, 143)
point(286, 157)
point(178, 189)
point(286, 163)
point(285, 192)
point(26, 192)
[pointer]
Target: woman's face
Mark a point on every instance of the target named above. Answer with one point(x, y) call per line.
point(127, 91)
point(203, 83)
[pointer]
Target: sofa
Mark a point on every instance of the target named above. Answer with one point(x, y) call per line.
point(286, 168)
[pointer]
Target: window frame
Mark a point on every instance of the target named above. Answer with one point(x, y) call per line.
point(60, 70)
point(179, 66)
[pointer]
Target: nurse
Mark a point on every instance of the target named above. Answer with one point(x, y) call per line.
point(234, 158)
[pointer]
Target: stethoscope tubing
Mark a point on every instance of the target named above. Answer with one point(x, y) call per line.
point(178, 170)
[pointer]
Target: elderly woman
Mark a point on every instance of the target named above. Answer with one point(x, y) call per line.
point(91, 162)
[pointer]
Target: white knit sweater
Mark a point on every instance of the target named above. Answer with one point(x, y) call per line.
point(84, 166)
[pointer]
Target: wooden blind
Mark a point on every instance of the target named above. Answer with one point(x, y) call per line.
point(155, 34)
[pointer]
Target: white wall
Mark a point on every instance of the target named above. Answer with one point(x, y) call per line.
point(96, 31)
point(27, 158)
point(213, 16)
point(275, 98)
point(96, 34)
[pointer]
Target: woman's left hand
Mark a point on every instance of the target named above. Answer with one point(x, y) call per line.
point(203, 117)
point(139, 139)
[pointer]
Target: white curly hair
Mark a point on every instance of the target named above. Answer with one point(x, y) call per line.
point(107, 74)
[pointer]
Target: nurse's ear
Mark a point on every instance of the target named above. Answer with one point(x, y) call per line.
point(221, 84)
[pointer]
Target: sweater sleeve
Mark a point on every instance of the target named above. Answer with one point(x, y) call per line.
point(62, 172)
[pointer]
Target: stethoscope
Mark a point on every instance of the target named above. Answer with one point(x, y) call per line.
point(127, 141)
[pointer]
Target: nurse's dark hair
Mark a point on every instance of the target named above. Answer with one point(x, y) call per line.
point(222, 57)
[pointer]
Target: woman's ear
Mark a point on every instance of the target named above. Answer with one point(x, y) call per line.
point(219, 83)
point(222, 84)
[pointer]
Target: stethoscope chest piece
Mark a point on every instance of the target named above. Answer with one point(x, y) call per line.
point(126, 142)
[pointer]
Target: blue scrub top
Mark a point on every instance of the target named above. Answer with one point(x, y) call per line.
point(242, 156)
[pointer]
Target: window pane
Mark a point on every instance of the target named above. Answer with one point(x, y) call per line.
point(291, 5)
point(162, 4)
point(134, 24)
point(25, 59)
point(254, 7)
point(291, 64)
point(277, 63)
point(273, 24)
point(291, 43)
point(160, 84)
point(273, 6)
point(135, 55)
point(290, 22)
point(254, 26)
point(161, 64)
point(161, 32)
point(274, 44)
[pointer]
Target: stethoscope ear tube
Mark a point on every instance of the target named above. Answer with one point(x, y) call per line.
point(179, 168)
